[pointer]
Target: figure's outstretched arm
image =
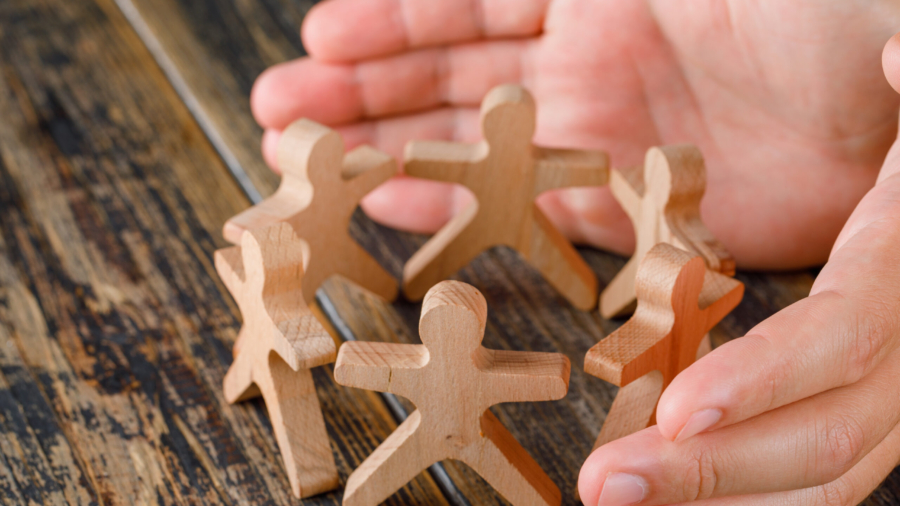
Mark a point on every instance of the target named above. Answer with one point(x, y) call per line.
point(441, 161)
point(365, 168)
point(372, 366)
point(627, 185)
point(301, 341)
point(522, 376)
point(630, 352)
point(230, 266)
point(564, 168)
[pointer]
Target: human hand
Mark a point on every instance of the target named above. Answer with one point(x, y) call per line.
point(784, 98)
point(804, 410)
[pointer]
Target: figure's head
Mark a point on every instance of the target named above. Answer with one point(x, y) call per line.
point(453, 319)
point(311, 151)
point(675, 174)
point(508, 116)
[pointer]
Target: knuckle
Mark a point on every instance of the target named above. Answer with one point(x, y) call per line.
point(835, 494)
point(838, 447)
point(874, 326)
point(702, 479)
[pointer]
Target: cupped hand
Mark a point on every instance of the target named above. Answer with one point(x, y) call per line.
point(784, 97)
point(804, 410)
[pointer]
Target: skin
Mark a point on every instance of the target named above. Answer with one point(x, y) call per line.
point(788, 103)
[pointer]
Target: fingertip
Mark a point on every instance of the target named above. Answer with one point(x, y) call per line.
point(890, 60)
point(261, 96)
point(590, 478)
point(350, 30)
point(620, 472)
point(269, 147)
point(727, 381)
point(304, 88)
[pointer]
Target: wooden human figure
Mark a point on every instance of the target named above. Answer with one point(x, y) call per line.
point(678, 301)
point(319, 191)
point(506, 173)
point(278, 344)
point(453, 381)
point(662, 198)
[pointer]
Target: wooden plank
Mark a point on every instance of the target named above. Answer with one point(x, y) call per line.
point(115, 331)
point(525, 313)
point(212, 54)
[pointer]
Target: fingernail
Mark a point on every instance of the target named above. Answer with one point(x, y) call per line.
point(699, 422)
point(622, 489)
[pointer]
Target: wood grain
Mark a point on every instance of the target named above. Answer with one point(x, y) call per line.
point(453, 380)
point(662, 199)
point(114, 330)
point(217, 47)
point(505, 173)
point(280, 341)
point(320, 189)
point(678, 302)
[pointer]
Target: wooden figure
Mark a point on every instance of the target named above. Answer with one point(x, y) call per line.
point(277, 345)
point(506, 173)
point(319, 191)
point(662, 198)
point(678, 301)
point(453, 381)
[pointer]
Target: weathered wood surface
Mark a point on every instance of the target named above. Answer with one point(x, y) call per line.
point(115, 332)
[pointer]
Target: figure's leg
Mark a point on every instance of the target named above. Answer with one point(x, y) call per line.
point(633, 409)
point(555, 257)
point(451, 249)
point(363, 270)
point(396, 461)
point(299, 428)
point(618, 299)
point(238, 383)
point(503, 463)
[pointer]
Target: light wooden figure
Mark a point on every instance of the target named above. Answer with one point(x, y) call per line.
point(678, 301)
point(453, 381)
point(662, 198)
point(277, 345)
point(319, 191)
point(506, 173)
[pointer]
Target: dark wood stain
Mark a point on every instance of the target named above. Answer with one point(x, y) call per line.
point(115, 331)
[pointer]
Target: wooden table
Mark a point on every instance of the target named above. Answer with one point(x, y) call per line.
point(125, 142)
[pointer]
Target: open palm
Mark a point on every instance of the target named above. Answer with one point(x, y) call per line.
point(786, 99)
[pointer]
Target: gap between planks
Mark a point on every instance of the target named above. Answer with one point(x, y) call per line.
point(182, 88)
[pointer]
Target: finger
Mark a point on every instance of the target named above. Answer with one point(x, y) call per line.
point(890, 60)
point(337, 93)
point(390, 135)
point(351, 30)
point(851, 488)
point(832, 338)
point(269, 147)
point(809, 443)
